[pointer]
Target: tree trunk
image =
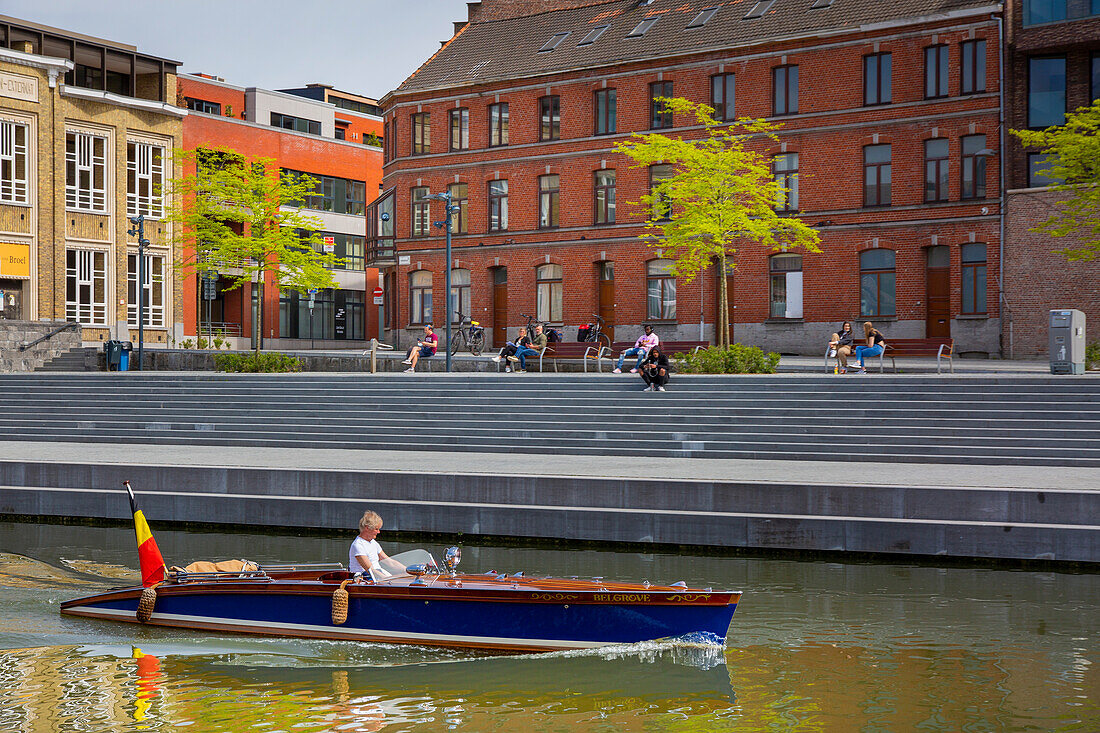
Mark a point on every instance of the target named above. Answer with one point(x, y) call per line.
point(260, 313)
point(721, 321)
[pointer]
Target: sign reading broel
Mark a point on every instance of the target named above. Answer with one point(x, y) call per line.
point(15, 260)
point(18, 86)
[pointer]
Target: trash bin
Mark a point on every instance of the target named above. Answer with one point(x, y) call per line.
point(124, 361)
point(113, 351)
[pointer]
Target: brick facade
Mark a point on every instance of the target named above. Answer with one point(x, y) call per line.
point(828, 133)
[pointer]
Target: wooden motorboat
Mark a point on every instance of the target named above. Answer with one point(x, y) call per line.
point(419, 605)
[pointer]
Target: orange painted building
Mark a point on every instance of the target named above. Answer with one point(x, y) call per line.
point(300, 134)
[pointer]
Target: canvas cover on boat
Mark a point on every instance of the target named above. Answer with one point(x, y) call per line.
point(219, 566)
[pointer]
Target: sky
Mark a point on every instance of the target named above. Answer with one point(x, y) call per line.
point(366, 47)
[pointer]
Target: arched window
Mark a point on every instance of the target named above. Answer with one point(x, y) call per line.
point(973, 278)
point(548, 290)
point(876, 283)
point(460, 296)
point(660, 290)
point(420, 297)
point(785, 275)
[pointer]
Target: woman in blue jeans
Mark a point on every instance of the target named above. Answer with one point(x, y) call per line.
point(876, 344)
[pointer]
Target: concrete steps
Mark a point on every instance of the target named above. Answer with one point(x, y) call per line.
point(67, 361)
point(1030, 420)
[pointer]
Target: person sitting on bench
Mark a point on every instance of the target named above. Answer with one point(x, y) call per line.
point(641, 347)
point(655, 370)
point(532, 348)
point(508, 353)
point(840, 346)
point(876, 344)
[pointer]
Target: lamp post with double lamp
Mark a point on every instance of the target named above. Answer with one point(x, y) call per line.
point(138, 230)
point(449, 210)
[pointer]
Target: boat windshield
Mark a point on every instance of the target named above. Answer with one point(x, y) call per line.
point(394, 567)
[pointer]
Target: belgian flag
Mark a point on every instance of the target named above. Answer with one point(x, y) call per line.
point(153, 569)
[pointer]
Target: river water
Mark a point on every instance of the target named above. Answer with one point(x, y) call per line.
point(814, 646)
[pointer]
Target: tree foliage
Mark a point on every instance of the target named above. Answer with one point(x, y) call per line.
point(240, 218)
point(1073, 157)
point(721, 193)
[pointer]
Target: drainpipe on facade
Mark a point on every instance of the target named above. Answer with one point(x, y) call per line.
point(54, 93)
point(1002, 301)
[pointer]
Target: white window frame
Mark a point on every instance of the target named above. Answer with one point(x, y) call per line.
point(145, 170)
point(85, 161)
point(88, 312)
point(13, 190)
point(154, 314)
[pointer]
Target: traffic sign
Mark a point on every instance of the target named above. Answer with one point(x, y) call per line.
point(378, 296)
point(330, 244)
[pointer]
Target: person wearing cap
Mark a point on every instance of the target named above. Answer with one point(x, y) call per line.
point(640, 349)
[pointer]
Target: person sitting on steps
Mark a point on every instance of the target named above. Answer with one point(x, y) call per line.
point(876, 344)
point(641, 347)
point(425, 346)
point(840, 346)
point(655, 370)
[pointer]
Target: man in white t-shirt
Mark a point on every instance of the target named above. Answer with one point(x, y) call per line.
point(365, 551)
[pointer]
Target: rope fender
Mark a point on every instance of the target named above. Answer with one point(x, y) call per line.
point(340, 604)
point(147, 603)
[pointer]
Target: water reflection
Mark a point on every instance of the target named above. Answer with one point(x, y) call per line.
point(814, 646)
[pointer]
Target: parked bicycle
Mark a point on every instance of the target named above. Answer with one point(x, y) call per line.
point(472, 336)
point(552, 334)
point(594, 333)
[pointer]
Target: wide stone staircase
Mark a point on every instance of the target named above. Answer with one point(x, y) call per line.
point(1033, 420)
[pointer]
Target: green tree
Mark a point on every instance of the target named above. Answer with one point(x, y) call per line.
point(239, 218)
point(1073, 157)
point(721, 193)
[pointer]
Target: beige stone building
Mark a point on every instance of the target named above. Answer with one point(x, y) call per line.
point(87, 133)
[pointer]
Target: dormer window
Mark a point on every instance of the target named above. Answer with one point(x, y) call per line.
point(553, 42)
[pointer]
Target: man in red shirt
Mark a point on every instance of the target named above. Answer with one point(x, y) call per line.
point(425, 346)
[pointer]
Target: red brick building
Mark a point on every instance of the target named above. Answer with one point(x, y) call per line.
point(890, 125)
point(1053, 68)
point(308, 136)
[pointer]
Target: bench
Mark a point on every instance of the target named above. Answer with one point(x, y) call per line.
point(668, 347)
point(561, 350)
point(941, 348)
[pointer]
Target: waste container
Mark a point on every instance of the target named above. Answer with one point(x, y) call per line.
point(113, 351)
point(1067, 342)
point(124, 361)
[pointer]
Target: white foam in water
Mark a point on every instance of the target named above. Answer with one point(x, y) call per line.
point(700, 650)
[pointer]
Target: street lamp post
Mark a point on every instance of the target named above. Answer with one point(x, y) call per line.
point(449, 210)
point(138, 230)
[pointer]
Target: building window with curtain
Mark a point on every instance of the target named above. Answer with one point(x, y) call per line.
point(661, 207)
point(660, 117)
point(550, 117)
point(498, 206)
point(785, 276)
point(660, 290)
point(154, 290)
point(548, 293)
point(973, 167)
point(460, 197)
point(85, 172)
point(877, 79)
point(722, 97)
point(421, 133)
point(13, 163)
point(973, 67)
point(876, 175)
point(460, 296)
point(935, 169)
point(785, 173)
point(605, 112)
point(1046, 91)
point(549, 201)
point(604, 188)
point(785, 90)
point(460, 129)
point(86, 287)
point(876, 283)
point(498, 124)
point(974, 278)
point(144, 180)
point(421, 212)
point(935, 72)
point(420, 297)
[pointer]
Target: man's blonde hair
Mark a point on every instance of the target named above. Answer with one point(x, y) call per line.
point(370, 519)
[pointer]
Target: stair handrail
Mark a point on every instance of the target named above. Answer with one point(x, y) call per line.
point(71, 324)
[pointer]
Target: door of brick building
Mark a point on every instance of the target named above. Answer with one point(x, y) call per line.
point(500, 306)
point(606, 307)
point(938, 293)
